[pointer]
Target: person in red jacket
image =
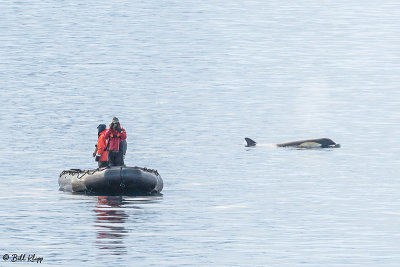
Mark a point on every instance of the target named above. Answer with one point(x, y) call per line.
point(115, 137)
point(100, 153)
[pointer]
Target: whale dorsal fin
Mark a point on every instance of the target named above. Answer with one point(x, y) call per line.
point(250, 142)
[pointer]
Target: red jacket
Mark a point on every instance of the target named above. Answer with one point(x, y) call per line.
point(115, 138)
point(101, 146)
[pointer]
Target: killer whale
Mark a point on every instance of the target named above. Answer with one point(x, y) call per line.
point(309, 143)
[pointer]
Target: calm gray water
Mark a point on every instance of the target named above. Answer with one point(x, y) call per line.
point(188, 81)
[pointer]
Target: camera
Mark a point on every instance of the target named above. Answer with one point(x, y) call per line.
point(114, 125)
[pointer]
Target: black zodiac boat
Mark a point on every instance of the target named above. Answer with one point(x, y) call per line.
point(111, 180)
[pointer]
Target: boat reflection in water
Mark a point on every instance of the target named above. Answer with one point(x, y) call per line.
point(110, 220)
point(116, 217)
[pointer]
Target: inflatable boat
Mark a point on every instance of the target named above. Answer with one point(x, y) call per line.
point(111, 181)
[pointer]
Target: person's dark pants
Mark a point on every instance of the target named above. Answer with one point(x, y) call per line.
point(102, 164)
point(115, 158)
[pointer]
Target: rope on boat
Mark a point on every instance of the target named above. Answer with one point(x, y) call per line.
point(83, 172)
point(78, 171)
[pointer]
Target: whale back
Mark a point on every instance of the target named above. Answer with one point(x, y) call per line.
point(320, 142)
